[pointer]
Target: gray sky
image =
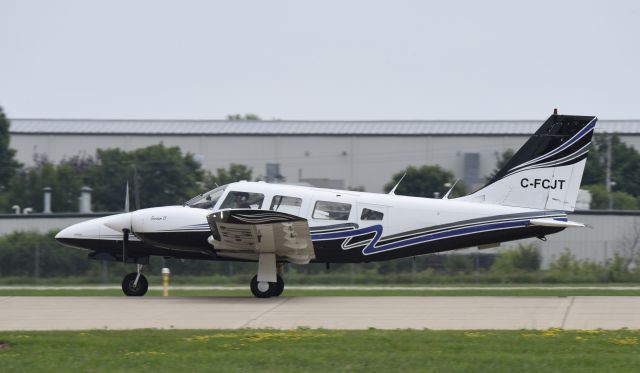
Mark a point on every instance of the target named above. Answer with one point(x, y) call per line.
point(319, 60)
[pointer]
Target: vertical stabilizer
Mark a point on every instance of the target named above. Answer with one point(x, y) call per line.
point(546, 172)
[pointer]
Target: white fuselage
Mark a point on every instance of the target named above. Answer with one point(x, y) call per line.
point(183, 228)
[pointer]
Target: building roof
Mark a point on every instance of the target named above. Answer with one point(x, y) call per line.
point(305, 128)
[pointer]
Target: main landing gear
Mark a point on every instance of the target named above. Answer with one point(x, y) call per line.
point(135, 284)
point(268, 282)
point(264, 289)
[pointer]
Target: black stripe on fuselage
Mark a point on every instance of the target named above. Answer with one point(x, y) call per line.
point(331, 250)
point(469, 222)
point(135, 249)
point(182, 240)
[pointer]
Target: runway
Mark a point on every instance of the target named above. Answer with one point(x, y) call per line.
point(394, 312)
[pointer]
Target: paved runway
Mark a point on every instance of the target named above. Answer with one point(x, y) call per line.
point(60, 313)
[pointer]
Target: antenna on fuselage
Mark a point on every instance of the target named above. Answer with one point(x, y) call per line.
point(393, 191)
point(126, 198)
point(446, 196)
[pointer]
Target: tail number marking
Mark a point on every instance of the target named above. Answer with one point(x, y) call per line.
point(542, 183)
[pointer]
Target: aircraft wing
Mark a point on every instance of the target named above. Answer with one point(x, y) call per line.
point(246, 233)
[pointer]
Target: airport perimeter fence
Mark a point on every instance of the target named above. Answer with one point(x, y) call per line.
point(30, 257)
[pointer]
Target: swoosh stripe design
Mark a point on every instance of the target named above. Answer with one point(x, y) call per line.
point(375, 246)
point(569, 159)
point(582, 133)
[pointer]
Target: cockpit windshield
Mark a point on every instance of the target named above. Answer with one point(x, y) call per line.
point(207, 200)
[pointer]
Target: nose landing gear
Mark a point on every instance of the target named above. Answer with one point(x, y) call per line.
point(135, 284)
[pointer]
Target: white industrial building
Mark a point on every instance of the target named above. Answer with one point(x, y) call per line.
point(338, 154)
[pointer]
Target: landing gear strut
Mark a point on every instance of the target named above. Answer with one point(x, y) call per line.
point(268, 282)
point(135, 284)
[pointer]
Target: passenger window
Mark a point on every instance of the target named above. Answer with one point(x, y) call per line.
point(371, 215)
point(289, 205)
point(331, 210)
point(242, 200)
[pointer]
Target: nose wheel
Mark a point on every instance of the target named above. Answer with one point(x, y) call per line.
point(135, 284)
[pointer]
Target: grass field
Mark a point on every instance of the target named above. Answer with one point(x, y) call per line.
point(391, 291)
point(307, 350)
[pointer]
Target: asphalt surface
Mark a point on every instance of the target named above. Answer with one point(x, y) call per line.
point(79, 313)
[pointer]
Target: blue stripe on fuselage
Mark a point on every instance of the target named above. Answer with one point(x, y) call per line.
point(371, 248)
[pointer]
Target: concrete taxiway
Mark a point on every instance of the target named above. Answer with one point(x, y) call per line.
point(78, 313)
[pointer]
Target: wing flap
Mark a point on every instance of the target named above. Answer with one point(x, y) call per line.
point(244, 231)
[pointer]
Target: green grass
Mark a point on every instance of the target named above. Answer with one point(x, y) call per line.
point(550, 291)
point(312, 350)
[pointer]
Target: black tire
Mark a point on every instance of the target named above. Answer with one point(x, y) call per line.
point(134, 291)
point(279, 288)
point(262, 294)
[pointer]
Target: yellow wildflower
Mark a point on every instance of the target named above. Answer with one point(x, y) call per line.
point(624, 341)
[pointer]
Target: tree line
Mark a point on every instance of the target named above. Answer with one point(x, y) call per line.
point(160, 175)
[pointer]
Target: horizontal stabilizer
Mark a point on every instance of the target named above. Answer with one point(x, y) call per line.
point(245, 233)
point(555, 223)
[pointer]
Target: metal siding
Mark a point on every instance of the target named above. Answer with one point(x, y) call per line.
point(223, 127)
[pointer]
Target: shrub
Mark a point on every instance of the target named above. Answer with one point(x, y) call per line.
point(524, 258)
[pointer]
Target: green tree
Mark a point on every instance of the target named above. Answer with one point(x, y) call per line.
point(501, 161)
point(424, 181)
point(241, 117)
point(621, 200)
point(8, 165)
point(235, 172)
point(625, 161)
point(65, 178)
point(158, 175)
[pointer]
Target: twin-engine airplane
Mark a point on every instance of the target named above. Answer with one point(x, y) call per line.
point(274, 224)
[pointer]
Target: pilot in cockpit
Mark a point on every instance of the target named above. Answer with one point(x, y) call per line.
point(241, 201)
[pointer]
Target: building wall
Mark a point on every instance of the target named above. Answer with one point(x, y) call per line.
point(367, 161)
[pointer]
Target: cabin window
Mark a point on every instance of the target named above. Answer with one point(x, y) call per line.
point(207, 200)
point(368, 214)
point(289, 205)
point(331, 210)
point(242, 200)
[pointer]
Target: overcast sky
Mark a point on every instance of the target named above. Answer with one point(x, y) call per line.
point(319, 60)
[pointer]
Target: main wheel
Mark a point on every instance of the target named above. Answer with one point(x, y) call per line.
point(266, 289)
point(132, 290)
point(279, 288)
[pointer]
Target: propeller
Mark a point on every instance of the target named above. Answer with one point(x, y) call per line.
point(123, 223)
point(125, 231)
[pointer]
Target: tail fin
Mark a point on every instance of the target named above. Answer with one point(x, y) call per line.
point(546, 172)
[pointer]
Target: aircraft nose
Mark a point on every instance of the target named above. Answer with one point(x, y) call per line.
point(65, 233)
point(78, 235)
point(119, 222)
